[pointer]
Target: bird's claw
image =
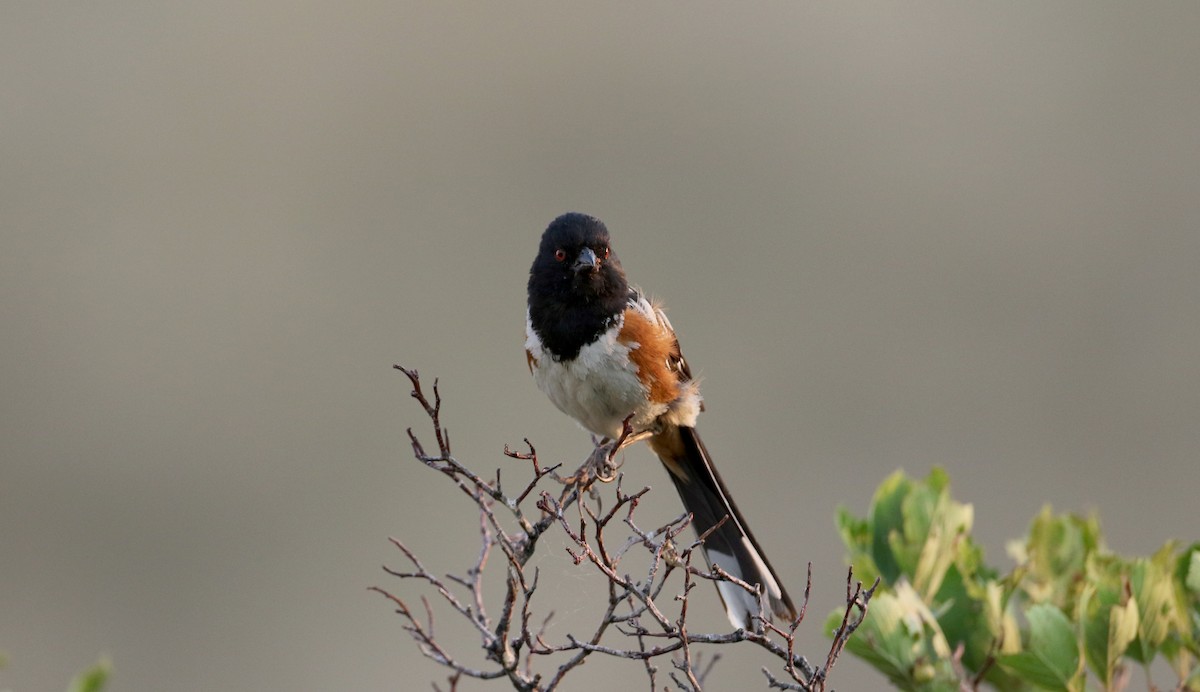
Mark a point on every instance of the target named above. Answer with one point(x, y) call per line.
point(603, 463)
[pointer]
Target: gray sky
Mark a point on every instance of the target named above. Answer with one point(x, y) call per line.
point(889, 235)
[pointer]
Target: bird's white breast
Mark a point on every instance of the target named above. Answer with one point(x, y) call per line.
point(599, 387)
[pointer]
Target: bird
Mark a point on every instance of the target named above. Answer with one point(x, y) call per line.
point(606, 355)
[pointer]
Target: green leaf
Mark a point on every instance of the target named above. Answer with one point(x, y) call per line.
point(921, 509)
point(947, 530)
point(856, 534)
point(1192, 576)
point(1122, 630)
point(915, 527)
point(1057, 552)
point(962, 614)
point(1155, 595)
point(1095, 611)
point(886, 519)
point(1001, 623)
point(93, 679)
point(1092, 611)
point(1187, 585)
point(1051, 659)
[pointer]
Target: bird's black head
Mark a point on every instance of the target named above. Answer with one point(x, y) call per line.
point(576, 284)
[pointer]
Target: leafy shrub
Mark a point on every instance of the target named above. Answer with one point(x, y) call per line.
point(1069, 612)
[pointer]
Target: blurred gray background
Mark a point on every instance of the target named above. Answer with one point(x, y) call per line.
point(890, 235)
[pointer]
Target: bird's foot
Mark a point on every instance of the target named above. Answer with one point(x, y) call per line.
point(599, 466)
point(603, 462)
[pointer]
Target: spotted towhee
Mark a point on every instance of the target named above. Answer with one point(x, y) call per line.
point(602, 352)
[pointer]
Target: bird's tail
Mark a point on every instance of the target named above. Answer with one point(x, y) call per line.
point(731, 546)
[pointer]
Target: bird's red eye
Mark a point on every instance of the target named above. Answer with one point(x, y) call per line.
point(604, 252)
point(560, 254)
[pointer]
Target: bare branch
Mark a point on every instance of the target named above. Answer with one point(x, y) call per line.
point(635, 622)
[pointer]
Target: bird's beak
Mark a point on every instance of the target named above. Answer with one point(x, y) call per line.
point(587, 261)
